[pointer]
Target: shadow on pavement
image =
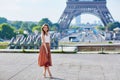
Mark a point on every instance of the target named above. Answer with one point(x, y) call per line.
point(54, 78)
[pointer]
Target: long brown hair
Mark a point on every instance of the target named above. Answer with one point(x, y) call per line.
point(43, 29)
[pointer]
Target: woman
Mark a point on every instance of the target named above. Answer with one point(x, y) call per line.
point(44, 58)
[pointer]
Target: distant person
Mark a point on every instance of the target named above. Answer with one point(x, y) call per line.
point(44, 58)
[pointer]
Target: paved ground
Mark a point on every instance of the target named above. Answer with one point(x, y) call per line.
point(19, 66)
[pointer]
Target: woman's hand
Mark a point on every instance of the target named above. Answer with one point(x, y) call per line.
point(47, 51)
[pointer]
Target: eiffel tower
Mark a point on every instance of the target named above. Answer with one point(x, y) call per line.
point(75, 8)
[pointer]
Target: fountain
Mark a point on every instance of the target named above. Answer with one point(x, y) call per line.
point(31, 41)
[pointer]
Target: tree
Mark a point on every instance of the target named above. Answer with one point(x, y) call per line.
point(36, 28)
point(55, 26)
point(28, 26)
point(20, 31)
point(111, 26)
point(17, 24)
point(102, 28)
point(31, 25)
point(43, 21)
point(74, 27)
point(7, 31)
point(3, 20)
point(24, 25)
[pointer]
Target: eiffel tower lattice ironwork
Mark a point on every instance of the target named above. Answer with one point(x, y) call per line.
point(75, 8)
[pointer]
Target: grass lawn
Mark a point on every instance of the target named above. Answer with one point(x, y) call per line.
point(3, 45)
point(74, 43)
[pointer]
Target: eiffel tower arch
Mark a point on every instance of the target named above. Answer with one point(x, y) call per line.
point(75, 8)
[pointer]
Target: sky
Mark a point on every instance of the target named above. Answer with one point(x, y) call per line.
point(35, 10)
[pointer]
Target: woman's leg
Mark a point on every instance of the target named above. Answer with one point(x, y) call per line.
point(49, 72)
point(44, 71)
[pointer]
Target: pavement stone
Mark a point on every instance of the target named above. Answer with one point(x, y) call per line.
point(21, 66)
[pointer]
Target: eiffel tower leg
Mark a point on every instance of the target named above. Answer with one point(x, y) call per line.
point(105, 16)
point(65, 19)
